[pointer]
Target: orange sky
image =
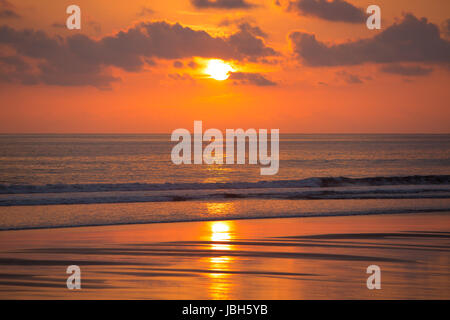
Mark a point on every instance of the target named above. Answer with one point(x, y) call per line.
point(162, 97)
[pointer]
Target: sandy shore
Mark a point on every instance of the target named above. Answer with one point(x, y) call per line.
point(291, 258)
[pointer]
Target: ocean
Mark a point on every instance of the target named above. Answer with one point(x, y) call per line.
point(53, 180)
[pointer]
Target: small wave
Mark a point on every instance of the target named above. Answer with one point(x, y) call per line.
point(351, 192)
point(319, 182)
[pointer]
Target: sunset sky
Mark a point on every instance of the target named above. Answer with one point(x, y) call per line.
point(307, 66)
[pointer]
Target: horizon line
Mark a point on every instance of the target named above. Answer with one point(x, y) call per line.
point(168, 133)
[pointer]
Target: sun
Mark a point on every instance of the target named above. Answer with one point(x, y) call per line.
point(218, 69)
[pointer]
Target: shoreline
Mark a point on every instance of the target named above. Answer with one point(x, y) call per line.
point(418, 211)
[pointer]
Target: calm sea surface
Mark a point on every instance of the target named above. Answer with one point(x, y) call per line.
point(114, 159)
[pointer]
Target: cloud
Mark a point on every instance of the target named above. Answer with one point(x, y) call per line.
point(232, 21)
point(335, 10)
point(222, 4)
point(15, 69)
point(58, 25)
point(411, 40)
point(81, 60)
point(181, 76)
point(248, 41)
point(7, 10)
point(348, 77)
point(251, 78)
point(406, 70)
point(178, 64)
point(91, 24)
point(252, 29)
point(243, 24)
point(192, 65)
point(8, 14)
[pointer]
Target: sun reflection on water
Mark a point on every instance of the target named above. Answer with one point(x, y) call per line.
point(220, 208)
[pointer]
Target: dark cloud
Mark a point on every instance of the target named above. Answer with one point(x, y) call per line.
point(251, 78)
point(58, 25)
point(411, 40)
point(16, 69)
point(222, 4)
point(8, 10)
point(192, 65)
point(248, 41)
point(244, 26)
point(348, 77)
point(80, 60)
point(252, 29)
point(406, 70)
point(8, 14)
point(335, 10)
point(178, 64)
point(181, 76)
point(91, 24)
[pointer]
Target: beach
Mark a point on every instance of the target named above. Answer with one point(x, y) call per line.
point(140, 227)
point(276, 258)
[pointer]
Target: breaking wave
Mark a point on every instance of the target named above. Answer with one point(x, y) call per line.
point(406, 187)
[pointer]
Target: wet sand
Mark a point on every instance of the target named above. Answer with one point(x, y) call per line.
point(288, 258)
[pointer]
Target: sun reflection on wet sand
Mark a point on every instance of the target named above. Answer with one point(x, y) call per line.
point(220, 232)
point(220, 284)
